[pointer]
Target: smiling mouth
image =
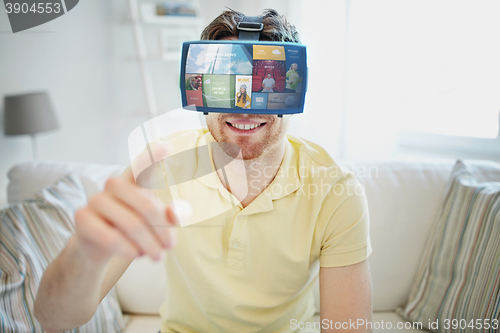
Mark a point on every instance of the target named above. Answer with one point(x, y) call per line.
point(245, 127)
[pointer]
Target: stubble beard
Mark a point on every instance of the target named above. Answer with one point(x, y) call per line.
point(249, 151)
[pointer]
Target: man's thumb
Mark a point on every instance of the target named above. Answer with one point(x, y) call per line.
point(147, 162)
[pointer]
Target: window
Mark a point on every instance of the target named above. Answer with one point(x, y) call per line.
point(419, 67)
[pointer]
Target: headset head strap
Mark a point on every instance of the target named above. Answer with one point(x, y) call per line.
point(250, 27)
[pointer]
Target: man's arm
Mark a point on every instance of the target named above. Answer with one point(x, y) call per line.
point(346, 294)
point(120, 223)
point(73, 286)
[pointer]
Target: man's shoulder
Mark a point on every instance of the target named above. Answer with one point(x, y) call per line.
point(315, 163)
point(321, 177)
point(309, 150)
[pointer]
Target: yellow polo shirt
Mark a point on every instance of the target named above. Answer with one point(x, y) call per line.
point(252, 269)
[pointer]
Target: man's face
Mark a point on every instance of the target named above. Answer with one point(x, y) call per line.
point(294, 67)
point(256, 135)
point(268, 75)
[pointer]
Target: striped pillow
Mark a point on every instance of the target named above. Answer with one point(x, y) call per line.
point(459, 277)
point(32, 234)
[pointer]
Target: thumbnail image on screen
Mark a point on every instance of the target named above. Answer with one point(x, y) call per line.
point(244, 76)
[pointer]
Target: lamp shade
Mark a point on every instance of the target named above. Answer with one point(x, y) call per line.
point(29, 114)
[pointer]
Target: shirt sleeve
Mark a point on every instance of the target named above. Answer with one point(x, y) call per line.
point(346, 237)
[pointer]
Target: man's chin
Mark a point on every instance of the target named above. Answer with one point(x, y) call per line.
point(250, 155)
point(245, 151)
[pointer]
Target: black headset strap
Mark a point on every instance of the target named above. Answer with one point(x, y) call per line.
point(250, 27)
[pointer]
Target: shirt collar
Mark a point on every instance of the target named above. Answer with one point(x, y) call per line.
point(212, 180)
point(286, 182)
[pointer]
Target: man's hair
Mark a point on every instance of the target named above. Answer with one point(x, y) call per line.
point(276, 27)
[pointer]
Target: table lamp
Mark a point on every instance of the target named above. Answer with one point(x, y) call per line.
point(29, 113)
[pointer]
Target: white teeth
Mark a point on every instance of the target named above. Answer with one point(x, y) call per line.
point(246, 126)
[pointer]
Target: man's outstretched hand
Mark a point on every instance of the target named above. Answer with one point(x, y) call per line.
point(128, 220)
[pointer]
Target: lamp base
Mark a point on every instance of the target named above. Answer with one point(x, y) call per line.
point(34, 147)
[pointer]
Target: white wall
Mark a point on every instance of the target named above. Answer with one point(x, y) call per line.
point(85, 60)
point(322, 27)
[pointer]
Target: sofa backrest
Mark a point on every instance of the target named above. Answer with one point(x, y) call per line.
point(404, 199)
point(25, 179)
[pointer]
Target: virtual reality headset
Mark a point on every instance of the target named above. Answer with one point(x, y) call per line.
point(244, 75)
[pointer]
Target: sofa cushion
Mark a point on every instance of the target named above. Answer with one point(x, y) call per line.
point(404, 198)
point(25, 179)
point(142, 288)
point(459, 277)
point(32, 234)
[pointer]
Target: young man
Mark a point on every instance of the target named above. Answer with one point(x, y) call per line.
point(250, 269)
point(268, 84)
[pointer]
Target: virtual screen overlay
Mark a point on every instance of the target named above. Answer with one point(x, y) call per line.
point(228, 77)
point(190, 167)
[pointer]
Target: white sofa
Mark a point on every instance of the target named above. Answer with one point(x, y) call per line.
point(404, 199)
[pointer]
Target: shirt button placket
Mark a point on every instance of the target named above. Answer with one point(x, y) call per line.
point(235, 255)
point(237, 231)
